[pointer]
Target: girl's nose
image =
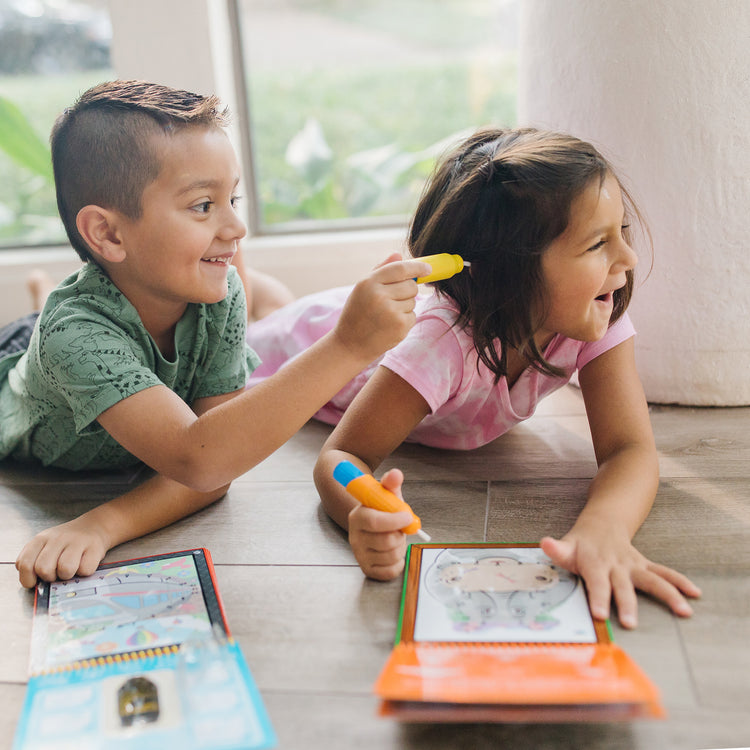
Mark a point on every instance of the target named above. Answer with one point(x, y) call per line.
point(627, 258)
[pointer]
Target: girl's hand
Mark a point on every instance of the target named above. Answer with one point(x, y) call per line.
point(375, 536)
point(613, 567)
point(73, 548)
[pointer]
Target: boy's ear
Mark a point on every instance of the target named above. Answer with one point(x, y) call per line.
point(99, 227)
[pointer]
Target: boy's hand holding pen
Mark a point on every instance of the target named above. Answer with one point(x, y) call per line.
point(380, 309)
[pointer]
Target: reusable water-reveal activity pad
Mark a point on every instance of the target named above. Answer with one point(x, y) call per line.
point(139, 655)
point(491, 632)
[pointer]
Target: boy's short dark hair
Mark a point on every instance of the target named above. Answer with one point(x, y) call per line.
point(103, 149)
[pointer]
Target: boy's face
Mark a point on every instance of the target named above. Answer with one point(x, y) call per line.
point(179, 250)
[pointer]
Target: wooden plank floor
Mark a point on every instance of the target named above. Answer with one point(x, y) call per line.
point(316, 632)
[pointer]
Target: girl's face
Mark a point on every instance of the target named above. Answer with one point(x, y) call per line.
point(585, 265)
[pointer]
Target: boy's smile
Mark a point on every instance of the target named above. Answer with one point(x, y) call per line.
point(585, 265)
point(179, 250)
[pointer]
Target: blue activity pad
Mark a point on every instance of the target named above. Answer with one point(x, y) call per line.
point(139, 655)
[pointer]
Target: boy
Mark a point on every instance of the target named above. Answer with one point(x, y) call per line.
point(140, 355)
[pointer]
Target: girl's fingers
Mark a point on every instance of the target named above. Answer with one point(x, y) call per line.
point(561, 552)
point(678, 580)
point(381, 541)
point(659, 588)
point(384, 558)
point(369, 520)
point(599, 591)
point(383, 572)
point(625, 598)
point(392, 480)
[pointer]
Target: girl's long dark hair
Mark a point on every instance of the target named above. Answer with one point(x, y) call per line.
point(498, 200)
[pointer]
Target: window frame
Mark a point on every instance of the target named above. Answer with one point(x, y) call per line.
point(308, 259)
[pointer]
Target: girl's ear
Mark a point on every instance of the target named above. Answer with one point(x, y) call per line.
point(99, 227)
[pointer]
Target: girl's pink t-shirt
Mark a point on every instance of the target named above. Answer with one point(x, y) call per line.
point(468, 409)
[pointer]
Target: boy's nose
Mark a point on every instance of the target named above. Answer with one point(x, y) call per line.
point(233, 228)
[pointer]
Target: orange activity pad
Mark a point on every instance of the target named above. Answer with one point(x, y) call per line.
point(493, 632)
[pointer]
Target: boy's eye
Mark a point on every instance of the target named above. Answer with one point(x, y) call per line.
point(235, 200)
point(203, 207)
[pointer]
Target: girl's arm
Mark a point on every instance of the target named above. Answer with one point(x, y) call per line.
point(375, 424)
point(209, 451)
point(599, 547)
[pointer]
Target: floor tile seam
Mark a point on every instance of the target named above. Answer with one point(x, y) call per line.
point(241, 481)
point(283, 565)
point(65, 484)
point(694, 692)
point(487, 506)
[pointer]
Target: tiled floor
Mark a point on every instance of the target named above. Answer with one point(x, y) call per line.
point(316, 633)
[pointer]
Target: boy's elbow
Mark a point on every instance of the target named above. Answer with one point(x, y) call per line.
point(200, 475)
point(215, 486)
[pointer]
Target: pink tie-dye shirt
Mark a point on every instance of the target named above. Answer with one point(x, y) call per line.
point(438, 360)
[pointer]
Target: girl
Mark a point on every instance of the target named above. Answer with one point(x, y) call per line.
point(543, 219)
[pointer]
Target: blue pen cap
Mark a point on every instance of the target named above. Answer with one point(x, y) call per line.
point(345, 471)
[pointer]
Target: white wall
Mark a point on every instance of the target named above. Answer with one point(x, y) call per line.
point(663, 88)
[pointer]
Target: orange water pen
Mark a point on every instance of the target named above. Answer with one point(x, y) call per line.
point(369, 492)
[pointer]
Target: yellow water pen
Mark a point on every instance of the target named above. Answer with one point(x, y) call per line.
point(444, 265)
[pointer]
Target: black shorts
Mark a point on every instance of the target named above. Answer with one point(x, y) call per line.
point(15, 336)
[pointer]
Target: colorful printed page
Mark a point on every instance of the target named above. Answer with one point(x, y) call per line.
point(131, 606)
point(480, 595)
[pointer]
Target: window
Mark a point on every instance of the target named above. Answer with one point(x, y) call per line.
point(348, 102)
point(50, 51)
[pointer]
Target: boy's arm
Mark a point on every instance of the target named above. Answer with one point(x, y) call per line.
point(78, 546)
point(209, 451)
point(598, 546)
point(375, 424)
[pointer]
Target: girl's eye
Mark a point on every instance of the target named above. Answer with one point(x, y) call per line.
point(235, 200)
point(595, 247)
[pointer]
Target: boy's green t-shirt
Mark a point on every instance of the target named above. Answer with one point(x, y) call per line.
point(89, 351)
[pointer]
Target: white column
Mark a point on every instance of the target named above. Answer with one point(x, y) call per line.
point(663, 89)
